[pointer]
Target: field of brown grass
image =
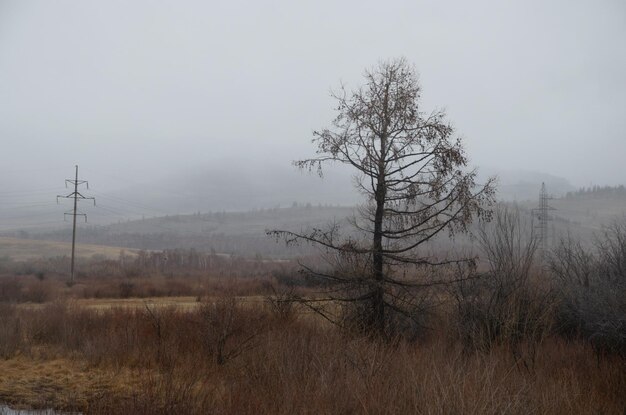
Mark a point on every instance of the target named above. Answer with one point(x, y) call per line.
point(222, 356)
point(27, 249)
point(180, 332)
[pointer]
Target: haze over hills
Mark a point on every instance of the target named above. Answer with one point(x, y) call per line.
point(219, 187)
point(270, 185)
point(228, 210)
point(262, 184)
point(581, 214)
point(524, 185)
point(237, 233)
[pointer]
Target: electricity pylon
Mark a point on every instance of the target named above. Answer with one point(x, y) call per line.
point(74, 213)
point(541, 212)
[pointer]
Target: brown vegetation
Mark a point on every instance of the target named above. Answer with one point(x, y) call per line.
point(148, 274)
point(514, 338)
point(226, 358)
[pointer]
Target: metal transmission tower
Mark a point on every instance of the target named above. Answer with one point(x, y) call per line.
point(543, 216)
point(74, 213)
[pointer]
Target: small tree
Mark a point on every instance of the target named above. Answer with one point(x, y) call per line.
point(411, 170)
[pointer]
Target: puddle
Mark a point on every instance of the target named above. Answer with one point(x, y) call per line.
point(5, 410)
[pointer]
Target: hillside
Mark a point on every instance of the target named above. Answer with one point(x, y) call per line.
point(582, 214)
point(263, 184)
point(240, 233)
point(244, 233)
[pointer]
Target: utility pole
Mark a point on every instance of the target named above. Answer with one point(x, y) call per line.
point(543, 216)
point(74, 213)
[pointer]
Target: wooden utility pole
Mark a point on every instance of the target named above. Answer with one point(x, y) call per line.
point(74, 213)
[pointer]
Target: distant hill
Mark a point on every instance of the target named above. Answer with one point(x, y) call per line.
point(243, 233)
point(263, 184)
point(220, 187)
point(598, 192)
point(520, 185)
point(237, 233)
point(238, 206)
point(583, 214)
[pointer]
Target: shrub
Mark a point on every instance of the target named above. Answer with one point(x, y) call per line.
point(592, 286)
point(10, 289)
point(227, 331)
point(282, 303)
point(10, 331)
point(506, 304)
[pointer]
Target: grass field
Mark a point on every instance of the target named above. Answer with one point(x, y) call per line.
point(179, 303)
point(223, 357)
point(27, 249)
point(201, 334)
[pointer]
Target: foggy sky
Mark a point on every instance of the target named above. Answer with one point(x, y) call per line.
point(136, 91)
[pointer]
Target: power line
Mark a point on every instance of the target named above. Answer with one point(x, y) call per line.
point(76, 196)
point(130, 203)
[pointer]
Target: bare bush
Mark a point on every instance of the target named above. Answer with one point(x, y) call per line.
point(592, 284)
point(10, 331)
point(40, 292)
point(506, 304)
point(10, 289)
point(283, 303)
point(408, 315)
point(227, 331)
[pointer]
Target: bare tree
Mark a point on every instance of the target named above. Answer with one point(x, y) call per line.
point(411, 169)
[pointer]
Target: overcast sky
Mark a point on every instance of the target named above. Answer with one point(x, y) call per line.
point(139, 89)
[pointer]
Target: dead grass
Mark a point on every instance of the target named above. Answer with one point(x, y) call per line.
point(166, 359)
point(29, 249)
point(61, 383)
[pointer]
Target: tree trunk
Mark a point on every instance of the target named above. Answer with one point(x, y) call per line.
point(378, 300)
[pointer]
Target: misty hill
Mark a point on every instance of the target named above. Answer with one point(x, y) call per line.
point(521, 185)
point(235, 223)
point(240, 233)
point(243, 203)
point(591, 208)
point(582, 214)
point(243, 233)
point(262, 185)
point(254, 184)
point(599, 192)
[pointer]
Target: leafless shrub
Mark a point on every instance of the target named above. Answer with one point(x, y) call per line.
point(10, 331)
point(126, 289)
point(283, 303)
point(592, 284)
point(227, 331)
point(407, 316)
point(40, 292)
point(157, 318)
point(61, 324)
point(10, 289)
point(504, 305)
point(177, 390)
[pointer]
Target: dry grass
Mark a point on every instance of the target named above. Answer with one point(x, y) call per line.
point(29, 249)
point(158, 360)
point(62, 383)
point(120, 291)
